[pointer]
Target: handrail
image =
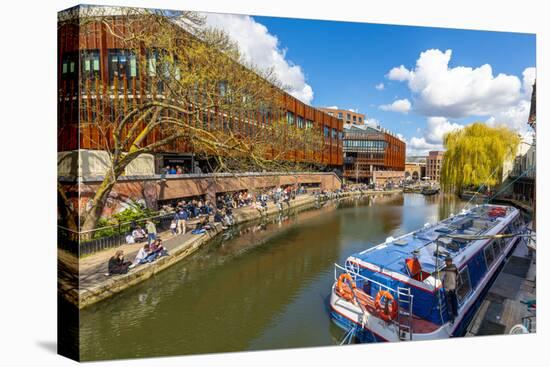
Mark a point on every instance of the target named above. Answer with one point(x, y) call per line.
point(115, 225)
point(361, 276)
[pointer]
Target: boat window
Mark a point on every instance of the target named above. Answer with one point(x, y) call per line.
point(489, 254)
point(464, 286)
point(497, 246)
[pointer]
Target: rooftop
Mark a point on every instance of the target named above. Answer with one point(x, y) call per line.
point(424, 242)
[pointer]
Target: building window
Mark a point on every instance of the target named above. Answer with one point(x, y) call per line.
point(334, 133)
point(68, 65)
point(464, 286)
point(122, 65)
point(300, 122)
point(326, 131)
point(223, 88)
point(90, 64)
point(354, 118)
point(360, 119)
point(348, 116)
point(309, 124)
point(290, 118)
point(340, 115)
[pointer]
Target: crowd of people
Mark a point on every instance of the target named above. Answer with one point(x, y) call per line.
point(200, 211)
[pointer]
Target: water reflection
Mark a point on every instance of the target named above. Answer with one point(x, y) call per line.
point(258, 286)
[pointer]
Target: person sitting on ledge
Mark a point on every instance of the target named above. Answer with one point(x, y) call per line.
point(218, 218)
point(141, 256)
point(157, 250)
point(117, 265)
point(138, 234)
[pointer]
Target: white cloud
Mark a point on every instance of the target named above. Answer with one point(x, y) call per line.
point(332, 107)
point(379, 86)
point(355, 110)
point(437, 127)
point(400, 105)
point(432, 138)
point(529, 75)
point(462, 91)
point(419, 146)
point(372, 122)
point(400, 73)
point(262, 48)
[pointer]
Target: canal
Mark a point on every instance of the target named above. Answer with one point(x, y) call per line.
point(263, 285)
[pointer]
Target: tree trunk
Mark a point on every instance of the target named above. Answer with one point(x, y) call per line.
point(99, 200)
point(65, 211)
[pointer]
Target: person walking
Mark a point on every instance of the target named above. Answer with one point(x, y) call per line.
point(450, 283)
point(151, 231)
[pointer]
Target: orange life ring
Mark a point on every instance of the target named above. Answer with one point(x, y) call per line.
point(345, 292)
point(387, 312)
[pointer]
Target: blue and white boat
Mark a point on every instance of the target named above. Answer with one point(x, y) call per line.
point(393, 291)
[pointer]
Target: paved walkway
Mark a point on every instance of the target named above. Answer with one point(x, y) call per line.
point(84, 282)
point(502, 307)
point(94, 267)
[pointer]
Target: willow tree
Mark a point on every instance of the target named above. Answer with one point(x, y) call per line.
point(182, 84)
point(475, 156)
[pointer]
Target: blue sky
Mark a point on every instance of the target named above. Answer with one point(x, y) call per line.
point(342, 62)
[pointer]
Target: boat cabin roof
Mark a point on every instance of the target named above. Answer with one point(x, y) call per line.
point(424, 242)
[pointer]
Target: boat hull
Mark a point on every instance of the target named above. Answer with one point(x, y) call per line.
point(371, 329)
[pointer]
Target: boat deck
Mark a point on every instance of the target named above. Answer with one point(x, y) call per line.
point(425, 242)
point(419, 325)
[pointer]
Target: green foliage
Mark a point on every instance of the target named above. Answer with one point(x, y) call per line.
point(475, 156)
point(134, 213)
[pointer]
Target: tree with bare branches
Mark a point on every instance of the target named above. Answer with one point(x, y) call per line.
point(183, 84)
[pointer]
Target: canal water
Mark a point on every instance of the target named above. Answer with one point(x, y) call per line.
point(263, 285)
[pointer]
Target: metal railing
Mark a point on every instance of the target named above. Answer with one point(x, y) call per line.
point(88, 242)
point(404, 312)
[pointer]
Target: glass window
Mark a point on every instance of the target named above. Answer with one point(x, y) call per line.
point(326, 131)
point(152, 58)
point(223, 88)
point(309, 124)
point(354, 118)
point(300, 122)
point(360, 119)
point(334, 133)
point(489, 255)
point(340, 115)
point(464, 286)
point(90, 64)
point(68, 63)
point(122, 64)
point(348, 116)
point(290, 118)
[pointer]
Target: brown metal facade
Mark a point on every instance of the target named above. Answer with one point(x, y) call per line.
point(86, 92)
point(367, 149)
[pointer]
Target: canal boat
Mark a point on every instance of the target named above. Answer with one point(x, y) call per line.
point(429, 190)
point(393, 291)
